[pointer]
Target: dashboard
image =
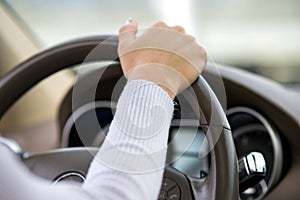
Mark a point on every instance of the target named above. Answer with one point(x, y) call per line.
point(258, 110)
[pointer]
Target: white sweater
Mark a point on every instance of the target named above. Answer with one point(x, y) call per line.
point(129, 164)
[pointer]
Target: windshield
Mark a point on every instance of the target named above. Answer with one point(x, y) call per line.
point(259, 36)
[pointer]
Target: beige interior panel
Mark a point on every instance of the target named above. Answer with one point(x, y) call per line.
point(39, 107)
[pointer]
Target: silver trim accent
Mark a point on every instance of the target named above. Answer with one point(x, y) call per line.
point(80, 111)
point(11, 144)
point(256, 163)
point(246, 166)
point(263, 187)
point(275, 139)
point(69, 174)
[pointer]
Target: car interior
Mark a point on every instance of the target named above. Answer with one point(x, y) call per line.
point(234, 133)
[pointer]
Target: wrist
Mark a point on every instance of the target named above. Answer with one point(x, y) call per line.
point(164, 76)
point(168, 91)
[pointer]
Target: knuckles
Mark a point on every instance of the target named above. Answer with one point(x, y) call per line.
point(168, 39)
point(160, 24)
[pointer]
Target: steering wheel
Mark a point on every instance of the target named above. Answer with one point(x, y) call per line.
point(222, 180)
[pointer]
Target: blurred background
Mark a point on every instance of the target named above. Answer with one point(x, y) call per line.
point(259, 36)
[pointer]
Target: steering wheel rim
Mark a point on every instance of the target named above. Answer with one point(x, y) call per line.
point(223, 176)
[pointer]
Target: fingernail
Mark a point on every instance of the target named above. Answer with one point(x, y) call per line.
point(129, 20)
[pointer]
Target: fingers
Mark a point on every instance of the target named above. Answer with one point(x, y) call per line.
point(160, 24)
point(181, 30)
point(178, 28)
point(128, 31)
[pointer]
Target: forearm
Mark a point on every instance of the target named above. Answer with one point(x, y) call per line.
point(131, 160)
point(129, 164)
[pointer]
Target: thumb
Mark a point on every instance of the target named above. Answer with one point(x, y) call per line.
point(128, 31)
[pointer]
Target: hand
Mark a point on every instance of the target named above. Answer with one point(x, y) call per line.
point(162, 54)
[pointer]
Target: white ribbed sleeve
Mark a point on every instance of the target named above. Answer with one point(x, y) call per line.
point(129, 164)
point(131, 160)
